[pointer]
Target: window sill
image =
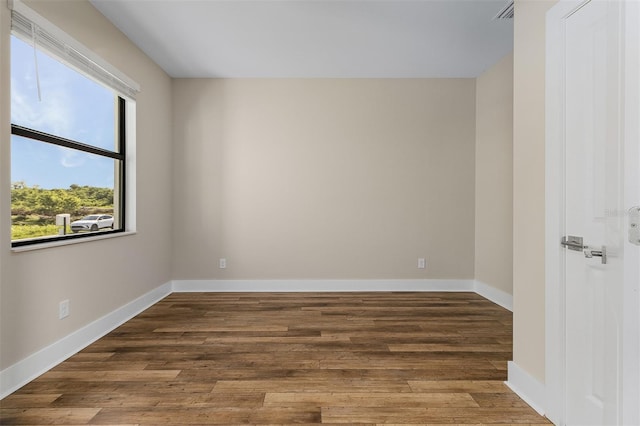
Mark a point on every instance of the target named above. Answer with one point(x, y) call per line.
point(70, 242)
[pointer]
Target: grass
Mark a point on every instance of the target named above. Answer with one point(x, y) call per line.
point(20, 232)
point(35, 226)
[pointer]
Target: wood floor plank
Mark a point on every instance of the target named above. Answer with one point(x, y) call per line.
point(168, 388)
point(288, 358)
point(225, 327)
point(47, 416)
point(167, 416)
point(207, 416)
point(429, 415)
point(470, 386)
point(305, 340)
point(248, 373)
point(244, 400)
point(320, 385)
point(102, 365)
point(498, 400)
point(27, 400)
point(91, 356)
point(448, 347)
point(110, 376)
point(106, 399)
point(403, 363)
point(371, 399)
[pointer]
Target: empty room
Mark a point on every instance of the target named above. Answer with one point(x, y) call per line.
point(320, 211)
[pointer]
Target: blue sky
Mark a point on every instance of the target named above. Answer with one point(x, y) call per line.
point(71, 106)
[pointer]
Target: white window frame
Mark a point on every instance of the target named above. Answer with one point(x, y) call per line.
point(64, 48)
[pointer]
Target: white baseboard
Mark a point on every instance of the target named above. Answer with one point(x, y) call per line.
point(527, 387)
point(320, 285)
point(498, 297)
point(19, 374)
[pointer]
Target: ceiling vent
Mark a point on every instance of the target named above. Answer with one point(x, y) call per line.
point(506, 12)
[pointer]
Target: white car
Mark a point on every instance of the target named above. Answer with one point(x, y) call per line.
point(93, 222)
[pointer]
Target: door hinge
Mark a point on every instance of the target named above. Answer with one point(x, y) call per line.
point(634, 225)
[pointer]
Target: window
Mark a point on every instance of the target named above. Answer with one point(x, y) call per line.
point(68, 137)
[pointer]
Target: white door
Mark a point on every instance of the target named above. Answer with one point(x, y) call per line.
point(593, 195)
point(593, 221)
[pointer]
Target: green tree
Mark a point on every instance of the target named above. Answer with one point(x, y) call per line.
point(66, 202)
point(32, 200)
point(46, 203)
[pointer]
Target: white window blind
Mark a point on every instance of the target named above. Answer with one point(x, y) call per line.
point(30, 27)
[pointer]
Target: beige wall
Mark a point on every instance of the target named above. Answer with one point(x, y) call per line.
point(528, 186)
point(494, 171)
point(100, 276)
point(324, 179)
point(286, 179)
point(5, 176)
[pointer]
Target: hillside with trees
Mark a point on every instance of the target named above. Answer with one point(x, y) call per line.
point(34, 209)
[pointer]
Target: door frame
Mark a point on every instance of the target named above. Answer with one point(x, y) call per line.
point(555, 348)
point(631, 129)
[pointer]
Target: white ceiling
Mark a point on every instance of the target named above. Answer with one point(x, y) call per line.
point(315, 38)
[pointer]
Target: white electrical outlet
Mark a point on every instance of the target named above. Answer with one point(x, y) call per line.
point(63, 309)
point(422, 263)
point(223, 263)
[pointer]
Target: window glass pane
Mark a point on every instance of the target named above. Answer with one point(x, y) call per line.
point(72, 105)
point(49, 180)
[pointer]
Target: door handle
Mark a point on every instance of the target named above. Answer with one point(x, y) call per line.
point(576, 243)
point(599, 253)
point(573, 243)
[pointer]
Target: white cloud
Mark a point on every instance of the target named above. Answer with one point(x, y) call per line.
point(70, 158)
point(52, 114)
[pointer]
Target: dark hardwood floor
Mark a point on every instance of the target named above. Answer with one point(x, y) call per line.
point(282, 358)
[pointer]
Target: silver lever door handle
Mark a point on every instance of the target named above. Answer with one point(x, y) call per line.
point(599, 253)
point(573, 243)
